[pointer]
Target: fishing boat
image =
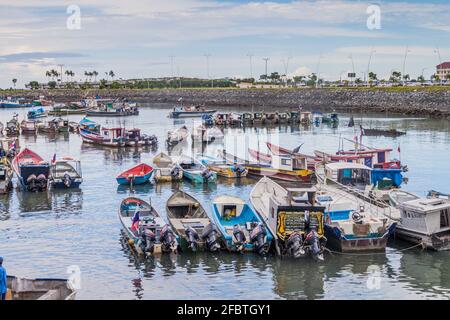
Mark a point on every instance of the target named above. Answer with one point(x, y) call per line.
point(330, 118)
point(28, 127)
point(375, 158)
point(13, 126)
point(247, 119)
point(112, 109)
point(47, 127)
point(42, 102)
point(306, 117)
point(221, 119)
point(270, 118)
point(242, 229)
point(89, 125)
point(36, 113)
point(138, 174)
point(177, 136)
point(134, 138)
point(61, 109)
point(294, 117)
point(222, 168)
point(191, 223)
point(31, 170)
point(6, 174)
point(234, 119)
point(39, 289)
point(65, 173)
point(188, 112)
point(145, 230)
point(62, 125)
point(165, 169)
point(310, 160)
point(258, 118)
point(108, 137)
point(283, 117)
point(10, 102)
point(424, 221)
point(195, 171)
point(293, 216)
point(317, 117)
point(383, 132)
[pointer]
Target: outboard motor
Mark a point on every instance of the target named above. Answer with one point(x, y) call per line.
point(210, 237)
point(294, 245)
point(148, 240)
point(206, 174)
point(67, 180)
point(168, 242)
point(192, 237)
point(153, 140)
point(239, 170)
point(31, 182)
point(240, 237)
point(175, 172)
point(258, 237)
point(314, 245)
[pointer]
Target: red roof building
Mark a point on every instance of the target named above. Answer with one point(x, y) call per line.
point(443, 70)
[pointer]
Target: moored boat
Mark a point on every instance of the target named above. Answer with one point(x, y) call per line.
point(270, 118)
point(177, 136)
point(134, 138)
point(146, 231)
point(31, 170)
point(165, 169)
point(65, 173)
point(258, 118)
point(39, 289)
point(36, 113)
point(196, 172)
point(89, 125)
point(247, 119)
point(138, 174)
point(187, 112)
point(112, 109)
point(242, 229)
point(13, 126)
point(223, 168)
point(6, 174)
point(191, 223)
point(109, 137)
point(306, 117)
point(28, 127)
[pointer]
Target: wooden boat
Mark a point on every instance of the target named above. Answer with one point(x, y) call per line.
point(62, 124)
point(234, 119)
point(62, 109)
point(31, 170)
point(6, 174)
point(247, 119)
point(36, 113)
point(294, 117)
point(109, 137)
point(39, 289)
point(177, 136)
point(196, 172)
point(89, 125)
point(222, 168)
point(28, 127)
point(134, 138)
point(147, 233)
point(306, 117)
point(258, 118)
point(221, 119)
point(47, 127)
point(283, 117)
point(270, 118)
point(13, 126)
point(112, 109)
point(241, 228)
point(10, 102)
point(165, 169)
point(383, 132)
point(138, 174)
point(292, 215)
point(65, 173)
point(190, 112)
point(191, 223)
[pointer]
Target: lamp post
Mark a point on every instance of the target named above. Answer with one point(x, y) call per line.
point(404, 63)
point(207, 56)
point(353, 67)
point(368, 65)
point(340, 76)
point(250, 56)
point(266, 59)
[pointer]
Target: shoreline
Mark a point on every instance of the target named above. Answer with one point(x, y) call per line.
point(432, 102)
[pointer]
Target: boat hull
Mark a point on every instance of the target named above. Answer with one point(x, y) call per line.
point(433, 242)
point(294, 176)
point(61, 185)
point(196, 177)
point(137, 180)
point(191, 114)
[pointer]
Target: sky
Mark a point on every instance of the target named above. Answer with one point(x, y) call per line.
point(141, 38)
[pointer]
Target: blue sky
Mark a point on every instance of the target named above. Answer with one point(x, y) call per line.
point(135, 37)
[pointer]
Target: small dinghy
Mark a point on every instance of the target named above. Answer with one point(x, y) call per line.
point(177, 136)
point(242, 229)
point(223, 168)
point(39, 289)
point(28, 127)
point(13, 126)
point(196, 172)
point(36, 113)
point(32, 171)
point(66, 173)
point(139, 174)
point(147, 233)
point(165, 169)
point(191, 223)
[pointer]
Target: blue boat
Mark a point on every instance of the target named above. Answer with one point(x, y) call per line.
point(196, 172)
point(241, 228)
point(190, 112)
point(386, 178)
point(36, 113)
point(89, 125)
point(14, 103)
point(208, 120)
point(139, 174)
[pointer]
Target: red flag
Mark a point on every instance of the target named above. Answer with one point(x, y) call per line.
point(54, 158)
point(398, 149)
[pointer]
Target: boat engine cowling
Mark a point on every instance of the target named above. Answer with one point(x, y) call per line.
point(239, 237)
point(206, 174)
point(294, 245)
point(175, 172)
point(148, 240)
point(167, 238)
point(258, 237)
point(210, 236)
point(315, 245)
point(67, 180)
point(192, 237)
point(31, 182)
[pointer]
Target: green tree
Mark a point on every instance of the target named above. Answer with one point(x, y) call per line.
point(112, 74)
point(34, 85)
point(52, 84)
point(421, 79)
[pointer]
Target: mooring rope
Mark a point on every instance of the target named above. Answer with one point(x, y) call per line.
point(374, 253)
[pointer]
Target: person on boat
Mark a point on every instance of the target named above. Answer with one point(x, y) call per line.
point(2, 152)
point(3, 281)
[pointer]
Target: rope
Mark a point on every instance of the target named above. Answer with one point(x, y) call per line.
point(374, 253)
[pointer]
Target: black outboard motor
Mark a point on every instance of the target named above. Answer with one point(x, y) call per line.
point(210, 237)
point(67, 180)
point(258, 237)
point(314, 245)
point(174, 173)
point(168, 241)
point(294, 245)
point(31, 182)
point(240, 237)
point(206, 174)
point(153, 140)
point(41, 182)
point(147, 242)
point(192, 237)
point(239, 169)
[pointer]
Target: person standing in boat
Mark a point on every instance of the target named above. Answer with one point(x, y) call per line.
point(3, 281)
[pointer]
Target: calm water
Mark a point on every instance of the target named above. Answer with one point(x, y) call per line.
point(42, 234)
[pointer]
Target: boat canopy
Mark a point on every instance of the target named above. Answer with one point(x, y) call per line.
point(229, 206)
point(378, 175)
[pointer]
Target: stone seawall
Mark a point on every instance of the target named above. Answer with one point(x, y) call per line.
point(409, 102)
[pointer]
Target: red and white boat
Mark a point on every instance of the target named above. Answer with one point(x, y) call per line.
point(110, 137)
point(31, 170)
point(28, 126)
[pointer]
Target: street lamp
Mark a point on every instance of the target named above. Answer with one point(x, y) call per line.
point(368, 65)
point(318, 68)
point(353, 66)
point(250, 56)
point(340, 76)
point(404, 63)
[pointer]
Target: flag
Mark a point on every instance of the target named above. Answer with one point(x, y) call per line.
point(13, 146)
point(135, 221)
point(54, 158)
point(398, 149)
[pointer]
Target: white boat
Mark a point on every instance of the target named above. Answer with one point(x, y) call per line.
point(65, 173)
point(205, 135)
point(39, 289)
point(424, 221)
point(177, 136)
point(166, 169)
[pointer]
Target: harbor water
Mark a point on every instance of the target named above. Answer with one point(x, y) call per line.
point(44, 234)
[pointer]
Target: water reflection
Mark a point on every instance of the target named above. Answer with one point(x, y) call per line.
point(33, 203)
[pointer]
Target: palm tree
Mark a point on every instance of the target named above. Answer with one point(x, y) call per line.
point(48, 74)
point(67, 73)
point(95, 74)
point(111, 74)
point(14, 81)
point(86, 75)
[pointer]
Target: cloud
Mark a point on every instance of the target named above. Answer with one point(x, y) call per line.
point(37, 56)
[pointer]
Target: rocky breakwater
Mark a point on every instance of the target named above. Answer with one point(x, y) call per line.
point(421, 102)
